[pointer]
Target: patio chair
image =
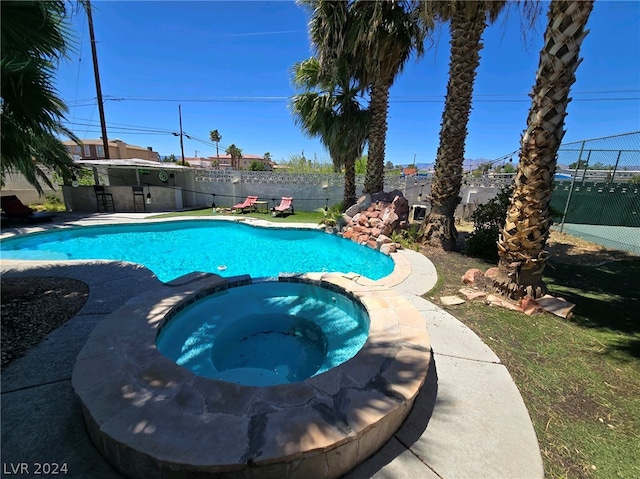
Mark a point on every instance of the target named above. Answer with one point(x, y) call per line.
point(13, 208)
point(247, 204)
point(285, 206)
point(138, 192)
point(104, 199)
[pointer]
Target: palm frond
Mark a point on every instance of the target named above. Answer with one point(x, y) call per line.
point(34, 36)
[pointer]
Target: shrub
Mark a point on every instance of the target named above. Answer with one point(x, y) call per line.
point(331, 216)
point(488, 220)
point(51, 203)
point(408, 238)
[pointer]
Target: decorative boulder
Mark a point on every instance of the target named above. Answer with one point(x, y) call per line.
point(375, 218)
point(471, 276)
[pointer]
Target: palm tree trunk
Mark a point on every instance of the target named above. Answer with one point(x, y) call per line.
point(466, 32)
point(521, 245)
point(349, 182)
point(374, 179)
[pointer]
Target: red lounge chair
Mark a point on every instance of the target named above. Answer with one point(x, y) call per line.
point(284, 206)
point(248, 204)
point(12, 208)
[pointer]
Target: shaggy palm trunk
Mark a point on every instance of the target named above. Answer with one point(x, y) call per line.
point(466, 32)
point(350, 182)
point(522, 242)
point(374, 179)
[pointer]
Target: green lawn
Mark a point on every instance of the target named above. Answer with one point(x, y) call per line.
point(579, 378)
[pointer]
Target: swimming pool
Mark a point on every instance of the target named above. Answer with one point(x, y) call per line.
point(174, 248)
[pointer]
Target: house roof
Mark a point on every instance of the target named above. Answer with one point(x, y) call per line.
point(245, 156)
point(130, 163)
point(98, 141)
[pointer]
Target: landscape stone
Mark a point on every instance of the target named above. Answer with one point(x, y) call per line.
point(502, 302)
point(471, 276)
point(491, 273)
point(557, 306)
point(451, 300)
point(529, 305)
point(472, 294)
point(375, 217)
point(384, 239)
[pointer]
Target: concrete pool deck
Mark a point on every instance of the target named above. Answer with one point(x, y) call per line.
point(469, 420)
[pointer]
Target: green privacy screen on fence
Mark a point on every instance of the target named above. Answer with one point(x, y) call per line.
point(613, 204)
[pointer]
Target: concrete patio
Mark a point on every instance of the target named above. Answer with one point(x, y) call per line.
point(469, 420)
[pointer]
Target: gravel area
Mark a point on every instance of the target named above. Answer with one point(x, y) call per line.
point(31, 308)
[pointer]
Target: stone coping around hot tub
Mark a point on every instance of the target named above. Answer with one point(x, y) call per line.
point(150, 417)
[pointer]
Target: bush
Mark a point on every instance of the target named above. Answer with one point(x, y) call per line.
point(51, 203)
point(408, 238)
point(331, 216)
point(488, 220)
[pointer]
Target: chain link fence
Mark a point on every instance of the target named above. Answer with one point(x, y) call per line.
point(597, 190)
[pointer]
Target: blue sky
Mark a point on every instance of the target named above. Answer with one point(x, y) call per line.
point(228, 65)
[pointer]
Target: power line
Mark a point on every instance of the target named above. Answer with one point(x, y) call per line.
point(391, 100)
point(125, 128)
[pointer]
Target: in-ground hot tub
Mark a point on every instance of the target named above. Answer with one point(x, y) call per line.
point(150, 417)
point(266, 333)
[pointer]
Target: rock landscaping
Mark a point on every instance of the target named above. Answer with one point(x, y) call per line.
point(374, 218)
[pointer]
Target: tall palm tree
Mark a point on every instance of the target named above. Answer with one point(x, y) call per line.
point(386, 34)
point(236, 154)
point(467, 22)
point(378, 38)
point(521, 244)
point(216, 137)
point(329, 108)
point(34, 37)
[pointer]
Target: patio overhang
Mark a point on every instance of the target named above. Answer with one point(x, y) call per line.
point(130, 164)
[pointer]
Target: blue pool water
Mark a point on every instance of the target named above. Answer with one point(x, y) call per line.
point(174, 248)
point(266, 333)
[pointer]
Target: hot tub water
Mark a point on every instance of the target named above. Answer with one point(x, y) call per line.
point(266, 333)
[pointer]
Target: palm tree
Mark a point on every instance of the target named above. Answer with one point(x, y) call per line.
point(467, 22)
point(330, 109)
point(236, 154)
point(378, 39)
point(387, 33)
point(216, 137)
point(34, 37)
point(521, 244)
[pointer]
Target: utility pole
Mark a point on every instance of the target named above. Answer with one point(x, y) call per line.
point(103, 125)
point(181, 144)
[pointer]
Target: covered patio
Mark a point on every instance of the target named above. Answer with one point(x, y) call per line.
point(134, 185)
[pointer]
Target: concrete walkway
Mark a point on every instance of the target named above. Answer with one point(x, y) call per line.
point(469, 421)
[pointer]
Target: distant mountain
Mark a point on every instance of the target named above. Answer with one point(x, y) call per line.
point(467, 165)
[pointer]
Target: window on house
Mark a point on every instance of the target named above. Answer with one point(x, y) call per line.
point(100, 150)
point(76, 150)
point(87, 150)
